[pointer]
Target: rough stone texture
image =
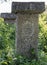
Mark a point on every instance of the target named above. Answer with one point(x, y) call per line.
point(26, 26)
point(28, 7)
point(27, 34)
point(8, 16)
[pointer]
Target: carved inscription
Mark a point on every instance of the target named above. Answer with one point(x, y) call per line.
point(27, 31)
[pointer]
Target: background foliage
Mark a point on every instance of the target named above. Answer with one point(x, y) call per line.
point(7, 44)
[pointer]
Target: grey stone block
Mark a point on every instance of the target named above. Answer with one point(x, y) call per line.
point(26, 26)
point(8, 16)
point(28, 7)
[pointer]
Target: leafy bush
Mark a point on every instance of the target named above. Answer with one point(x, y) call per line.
point(43, 32)
point(7, 40)
point(4, 63)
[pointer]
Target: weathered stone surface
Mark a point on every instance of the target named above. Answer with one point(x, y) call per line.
point(8, 16)
point(27, 34)
point(28, 7)
point(26, 26)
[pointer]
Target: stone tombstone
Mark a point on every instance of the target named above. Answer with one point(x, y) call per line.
point(25, 14)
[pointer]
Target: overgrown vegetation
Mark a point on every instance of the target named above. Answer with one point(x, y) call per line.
point(7, 46)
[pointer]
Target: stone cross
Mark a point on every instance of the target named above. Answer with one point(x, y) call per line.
point(25, 14)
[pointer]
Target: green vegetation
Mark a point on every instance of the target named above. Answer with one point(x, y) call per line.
point(7, 40)
point(7, 46)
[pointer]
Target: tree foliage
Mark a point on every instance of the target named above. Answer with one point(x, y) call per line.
point(7, 40)
point(43, 32)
